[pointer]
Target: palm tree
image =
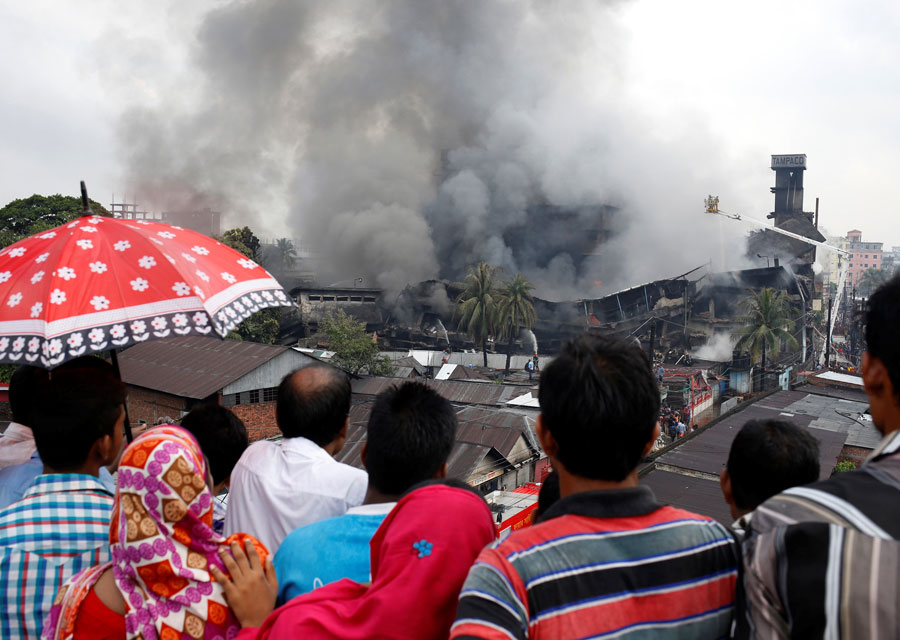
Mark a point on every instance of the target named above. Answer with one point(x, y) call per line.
point(515, 311)
point(767, 323)
point(286, 253)
point(872, 279)
point(477, 305)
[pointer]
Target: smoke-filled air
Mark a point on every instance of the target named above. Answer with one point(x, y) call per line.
point(406, 140)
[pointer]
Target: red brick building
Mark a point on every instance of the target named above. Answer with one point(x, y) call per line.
point(167, 378)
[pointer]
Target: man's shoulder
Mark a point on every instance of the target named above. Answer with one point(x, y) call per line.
point(572, 526)
point(854, 498)
point(321, 531)
point(257, 450)
point(328, 532)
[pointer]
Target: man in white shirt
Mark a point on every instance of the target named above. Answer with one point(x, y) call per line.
point(279, 486)
point(410, 435)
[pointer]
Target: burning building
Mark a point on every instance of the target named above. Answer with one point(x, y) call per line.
point(789, 215)
point(205, 221)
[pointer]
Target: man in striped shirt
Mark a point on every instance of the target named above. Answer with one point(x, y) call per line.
point(606, 560)
point(61, 525)
point(824, 560)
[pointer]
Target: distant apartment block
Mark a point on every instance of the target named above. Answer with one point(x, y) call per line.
point(863, 256)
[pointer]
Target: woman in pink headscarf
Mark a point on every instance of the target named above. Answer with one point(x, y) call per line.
point(158, 584)
point(420, 557)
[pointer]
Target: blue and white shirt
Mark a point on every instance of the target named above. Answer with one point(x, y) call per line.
point(60, 527)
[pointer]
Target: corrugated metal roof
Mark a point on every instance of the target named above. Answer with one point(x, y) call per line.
point(192, 367)
point(445, 371)
point(480, 430)
point(708, 451)
point(699, 495)
point(464, 459)
point(411, 363)
point(836, 376)
point(455, 391)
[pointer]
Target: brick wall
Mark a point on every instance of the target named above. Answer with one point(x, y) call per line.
point(150, 405)
point(259, 419)
point(856, 454)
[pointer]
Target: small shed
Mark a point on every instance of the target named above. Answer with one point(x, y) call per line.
point(166, 378)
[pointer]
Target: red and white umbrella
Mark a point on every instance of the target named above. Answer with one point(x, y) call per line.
point(101, 283)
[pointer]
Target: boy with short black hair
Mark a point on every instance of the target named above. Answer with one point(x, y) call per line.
point(61, 525)
point(223, 438)
point(606, 559)
point(766, 457)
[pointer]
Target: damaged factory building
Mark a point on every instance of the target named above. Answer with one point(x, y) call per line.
point(683, 318)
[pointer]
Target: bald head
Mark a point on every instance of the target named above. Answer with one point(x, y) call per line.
point(313, 403)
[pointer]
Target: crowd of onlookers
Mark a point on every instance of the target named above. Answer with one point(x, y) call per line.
point(97, 542)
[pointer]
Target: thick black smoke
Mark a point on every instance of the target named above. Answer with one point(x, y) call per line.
point(406, 140)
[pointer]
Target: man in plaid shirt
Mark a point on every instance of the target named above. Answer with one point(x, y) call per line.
point(61, 525)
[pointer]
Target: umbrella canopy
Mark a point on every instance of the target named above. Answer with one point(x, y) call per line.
point(101, 283)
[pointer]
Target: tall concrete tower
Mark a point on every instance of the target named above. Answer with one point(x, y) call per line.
point(788, 188)
point(790, 216)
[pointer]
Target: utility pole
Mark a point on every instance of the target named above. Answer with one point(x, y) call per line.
point(828, 336)
point(685, 334)
point(652, 340)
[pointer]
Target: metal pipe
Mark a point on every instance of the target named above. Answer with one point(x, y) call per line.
point(114, 359)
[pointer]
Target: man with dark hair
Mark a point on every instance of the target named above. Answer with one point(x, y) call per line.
point(279, 486)
point(61, 525)
point(410, 434)
point(606, 559)
point(25, 387)
point(17, 442)
point(766, 457)
point(222, 437)
point(823, 560)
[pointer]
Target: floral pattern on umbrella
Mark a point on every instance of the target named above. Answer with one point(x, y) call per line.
point(101, 283)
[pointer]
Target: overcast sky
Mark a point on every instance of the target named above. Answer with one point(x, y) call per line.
point(820, 78)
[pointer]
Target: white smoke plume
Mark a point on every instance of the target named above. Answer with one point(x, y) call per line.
point(405, 140)
point(719, 348)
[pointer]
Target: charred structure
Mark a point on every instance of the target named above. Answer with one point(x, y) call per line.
point(789, 215)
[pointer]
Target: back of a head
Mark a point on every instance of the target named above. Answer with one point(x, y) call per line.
point(313, 403)
point(24, 387)
point(882, 335)
point(221, 435)
point(548, 495)
point(81, 406)
point(600, 401)
point(767, 457)
point(410, 434)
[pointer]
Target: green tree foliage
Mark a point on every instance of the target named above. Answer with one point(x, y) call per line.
point(843, 467)
point(244, 240)
point(27, 216)
point(767, 323)
point(6, 372)
point(262, 326)
point(354, 349)
point(871, 279)
point(476, 306)
point(515, 311)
